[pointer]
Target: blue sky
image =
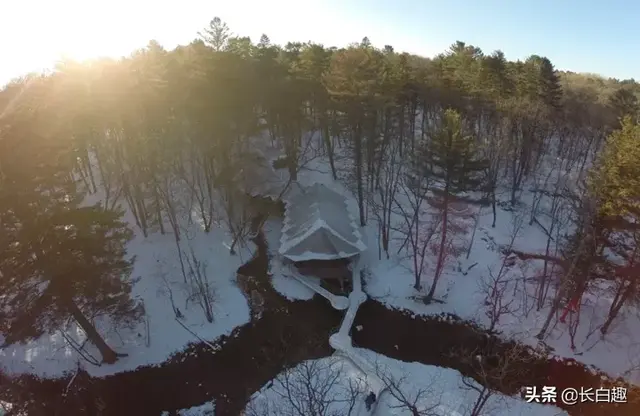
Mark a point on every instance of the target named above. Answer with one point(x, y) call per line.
point(585, 36)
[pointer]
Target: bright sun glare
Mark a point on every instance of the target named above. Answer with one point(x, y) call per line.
point(37, 33)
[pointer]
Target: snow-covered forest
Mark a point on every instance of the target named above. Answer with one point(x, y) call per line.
point(500, 194)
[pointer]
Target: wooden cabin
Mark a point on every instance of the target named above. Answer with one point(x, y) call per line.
point(320, 237)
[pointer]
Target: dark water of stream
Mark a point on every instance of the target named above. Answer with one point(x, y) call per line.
point(285, 334)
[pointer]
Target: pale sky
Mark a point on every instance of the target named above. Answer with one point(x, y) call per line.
point(579, 35)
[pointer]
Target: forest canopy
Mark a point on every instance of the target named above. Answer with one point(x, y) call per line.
point(137, 127)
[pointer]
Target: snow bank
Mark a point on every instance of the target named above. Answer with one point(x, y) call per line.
point(207, 409)
point(4, 407)
point(158, 269)
point(282, 282)
point(391, 281)
point(439, 389)
point(330, 381)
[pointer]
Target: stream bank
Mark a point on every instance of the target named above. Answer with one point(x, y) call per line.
point(430, 340)
point(284, 334)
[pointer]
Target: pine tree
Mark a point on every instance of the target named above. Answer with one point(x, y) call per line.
point(461, 65)
point(550, 89)
point(312, 66)
point(494, 76)
point(624, 103)
point(616, 184)
point(616, 181)
point(216, 35)
point(450, 157)
point(353, 84)
point(241, 46)
point(264, 41)
point(60, 260)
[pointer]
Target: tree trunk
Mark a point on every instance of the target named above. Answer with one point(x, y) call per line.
point(386, 137)
point(514, 182)
point(443, 242)
point(481, 401)
point(388, 220)
point(401, 126)
point(109, 356)
point(543, 279)
point(493, 206)
point(292, 146)
point(562, 290)
point(141, 208)
point(83, 176)
point(473, 235)
point(87, 162)
point(358, 159)
point(619, 300)
point(328, 144)
point(158, 207)
point(414, 238)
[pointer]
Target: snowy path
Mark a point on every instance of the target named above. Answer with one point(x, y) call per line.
point(341, 342)
point(338, 302)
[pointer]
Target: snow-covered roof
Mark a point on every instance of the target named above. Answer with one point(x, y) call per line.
point(319, 226)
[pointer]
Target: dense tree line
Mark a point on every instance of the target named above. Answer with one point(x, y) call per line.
point(161, 131)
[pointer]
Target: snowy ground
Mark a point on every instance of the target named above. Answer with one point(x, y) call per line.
point(281, 278)
point(331, 379)
point(4, 407)
point(158, 269)
point(207, 409)
point(391, 282)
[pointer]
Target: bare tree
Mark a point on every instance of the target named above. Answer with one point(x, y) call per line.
point(497, 300)
point(312, 388)
point(491, 370)
point(200, 289)
point(525, 125)
point(476, 220)
point(108, 179)
point(237, 213)
point(198, 176)
point(423, 401)
point(306, 155)
point(166, 186)
point(567, 281)
point(79, 347)
point(498, 287)
point(418, 231)
point(166, 289)
point(453, 216)
point(389, 173)
point(626, 286)
point(574, 324)
point(493, 150)
point(557, 217)
point(540, 187)
point(484, 394)
point(236, 216)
